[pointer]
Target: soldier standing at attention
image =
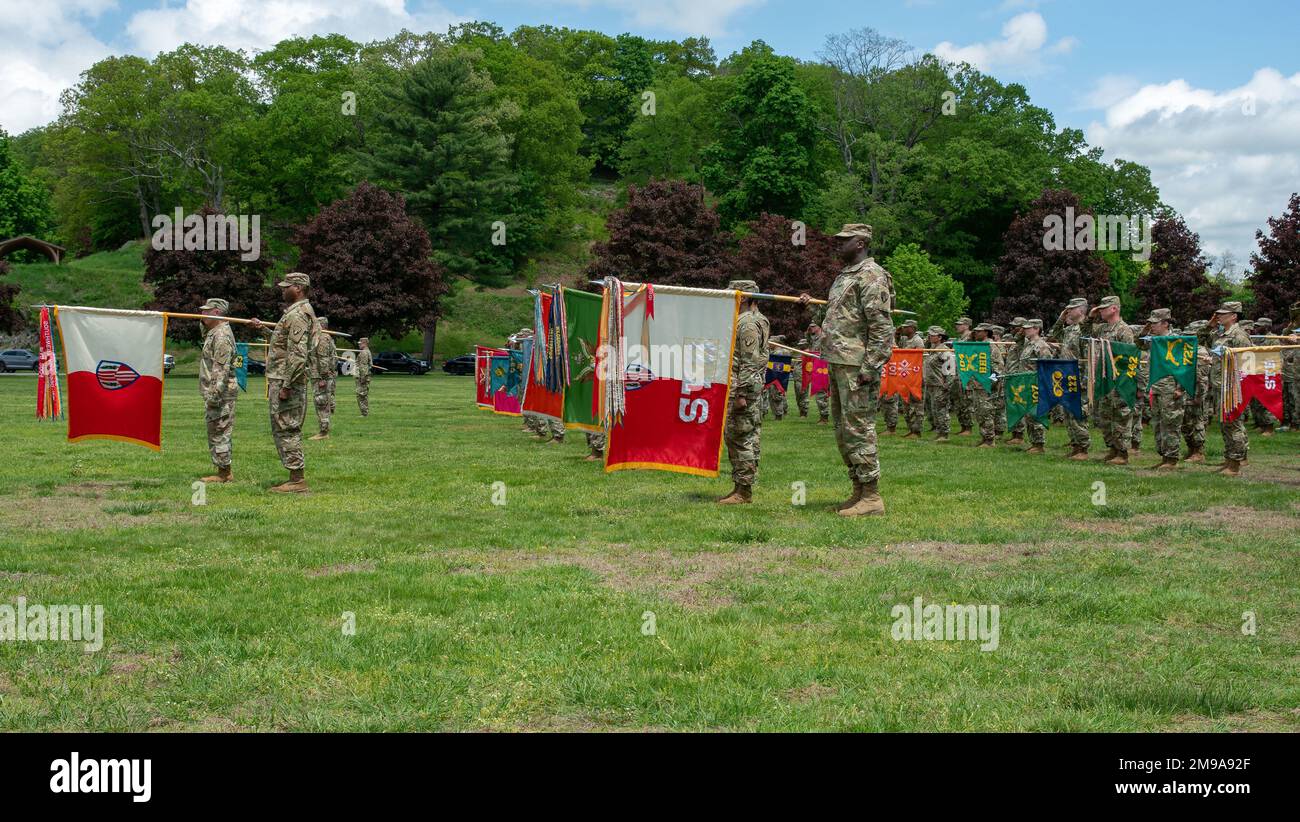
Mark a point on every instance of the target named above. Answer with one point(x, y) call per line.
point(1196, 410)
point(1236, 444)
point(1068, 332)
point(858, 342)
point(365, 364)
point(980, 400)
point(1265, 422)
point(1168, 402)
point(773, 397)
point(937, 374)
point(959, 401)
point(913, 410)
point(745, 418)
point(1114, 418)
point(999, 398)
point(889, 405)
point(1291, 373)
point(1035, 348)
point(596, 442)
point(218, 385)
point(1142, 409)
point(815, 335)
point(288, 367)
point(324, 373)
point(1015, 364)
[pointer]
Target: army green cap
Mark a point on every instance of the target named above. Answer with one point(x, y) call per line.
point(743, 285)
point(1034, 323)
point(1195, 326)
point(982, 327)
point(1018, 322)
point(1107, 302)
point(776, 338)
point(215, 304)
point(908, 322)
point(365, 340)
point(1077, 302)
point(855, 230)
point(1135, 328)
point(1263, 321)
point(936, 331)
point(1230, 307)
point(295, 278)
point(966, 321)
point(997, 329)
point(323, 320)
point(1160, 315)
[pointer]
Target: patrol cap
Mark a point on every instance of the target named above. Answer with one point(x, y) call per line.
point(997, 329)
point(295, 278)
point(323, 320)
point(1135, 328)
point(1107, 302)
point(1263, 321)
point(1230, 307)
point(215, 304)
point(743, 285)
point(936, 331)
point(776, 338)
point(1195, 326)
point(1018, 322)
point(364, 340)
point(908, 322)
point(1077, 302)
point(1034, 323)
point(966, 321)
point(1160, 315)
point(855, 230)
point(982, 327)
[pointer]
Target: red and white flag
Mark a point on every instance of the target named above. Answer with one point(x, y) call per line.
point(1252, 375)
point(483, 374)
point(115, 373)
point(676, 378)
point(49, 405)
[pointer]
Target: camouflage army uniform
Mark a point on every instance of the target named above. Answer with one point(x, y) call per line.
point(981, 402)
point(810, 343)
point(1235, 442)
point(960, 402)
point(1142, 408)
point(1168, 407)
point(774, 398)
point(913, 410)
point(937, 372)
point(1070, 338)
point(363, 370)
point(1030, 353)
point(288, 365)
point(858, 341)
point(1261, 416)
point(1196, 410)
point(748, 369)
point(324, 371)
point(220, 389)
point(1014, 361)
point(596, 441)
point(1114, 417)
point(1291, 380)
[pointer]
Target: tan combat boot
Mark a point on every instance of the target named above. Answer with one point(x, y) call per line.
point(1135, 446)
point(1266, 431)
point(853, 498)
point(1034, 449)
point(965, 432)
point(297, 484)
point(222, 475)
point(740, 495)
point(1196, 454)
point(1231, 468)
point(941, 438)
point(986, 444)
point(1121, 458)
point(595, 455)
point(1016, 439)
point(1166, 464)
point(324, 435)
point(1078, 453)
point(868, 503)
point(1111, 453)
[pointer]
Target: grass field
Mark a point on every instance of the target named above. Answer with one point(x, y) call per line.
point(530, 615)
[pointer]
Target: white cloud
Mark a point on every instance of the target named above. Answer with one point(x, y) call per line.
point(1022, 45)
point(1226, 160)
point(707, 18)
point(47, 45)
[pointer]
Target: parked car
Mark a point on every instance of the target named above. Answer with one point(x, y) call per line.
point(18, 359)
point(462, 365)
point(395, 361)
point(169, 362)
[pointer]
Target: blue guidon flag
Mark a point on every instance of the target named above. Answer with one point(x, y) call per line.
point(114, 375)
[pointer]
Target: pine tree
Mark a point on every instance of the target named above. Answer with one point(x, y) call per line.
point(1275, 280)
point(1176, 276)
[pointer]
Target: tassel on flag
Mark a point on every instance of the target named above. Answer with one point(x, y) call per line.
point(49, 405)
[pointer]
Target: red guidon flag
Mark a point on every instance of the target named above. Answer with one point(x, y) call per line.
point(816, 375)
point(676, 370)
point(483, 374)
point(1252, 375)
point(49, 406)
point(902, 374)
point(115, 373)
point(538, 399)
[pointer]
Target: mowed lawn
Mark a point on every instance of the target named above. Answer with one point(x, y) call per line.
point(530, 615)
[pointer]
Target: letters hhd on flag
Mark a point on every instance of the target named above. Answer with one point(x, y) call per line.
point(677, 366)
point(115, 373)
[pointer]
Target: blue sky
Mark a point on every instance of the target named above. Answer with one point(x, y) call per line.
point(1206, 95)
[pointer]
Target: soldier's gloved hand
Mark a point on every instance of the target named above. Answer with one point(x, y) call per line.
point(740, 402)
point(321, 384)
point(284, 394)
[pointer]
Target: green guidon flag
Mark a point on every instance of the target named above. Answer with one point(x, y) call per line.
point(1118, 371)
point(974, 362)
point(582, 310)
point(1022, 397)
point(1174, 357)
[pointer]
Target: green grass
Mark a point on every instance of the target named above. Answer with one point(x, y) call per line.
point(529, 615)
point(109, 279)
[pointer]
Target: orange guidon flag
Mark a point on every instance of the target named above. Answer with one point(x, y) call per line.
point(902, 374)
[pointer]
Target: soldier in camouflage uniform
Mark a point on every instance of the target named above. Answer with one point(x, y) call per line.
point(913, 410)
point(744, 417)
point(364, 366)
point(1236, 444)
point(1168, 401)
point(1264, 420)
point(324, 372)
point(811, 343)
point(1068, 333)
point(773, 397)
point(1142, 408)
point(1114, 417)
point(1035, 348)
point(959, 401)
point(890, 405)
point(1014, 355)
point(1196, 410)
point(1291, 373)
point(288, 367)
point(858, 342)
point(596, 442)
point(938, 371)
point(999, 397)
point(980, 400)
point(218, 386)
